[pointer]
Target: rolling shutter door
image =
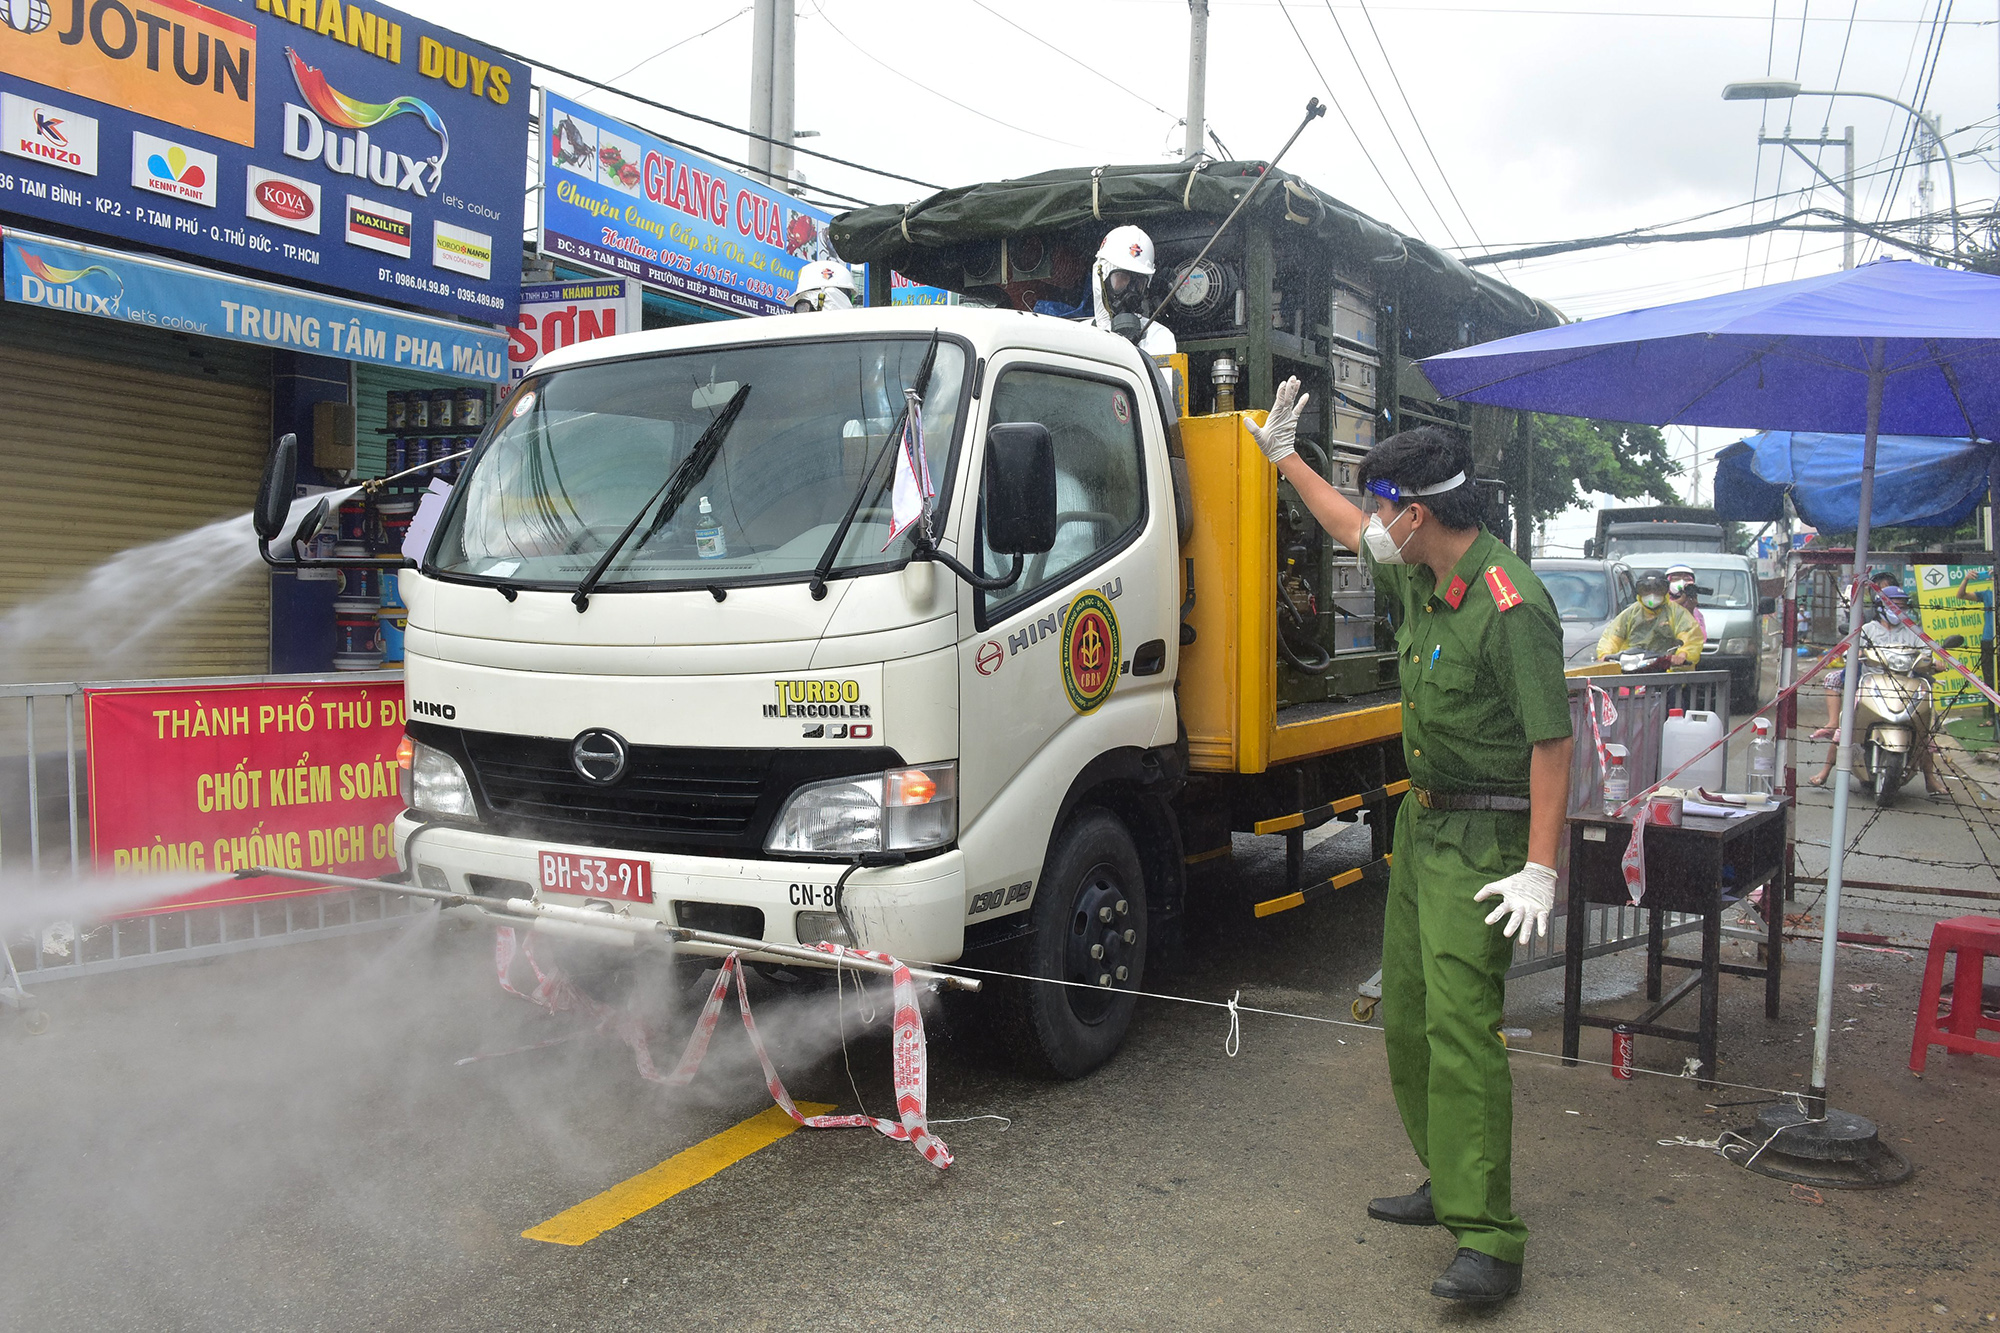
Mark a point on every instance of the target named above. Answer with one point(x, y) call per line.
point(113, 437)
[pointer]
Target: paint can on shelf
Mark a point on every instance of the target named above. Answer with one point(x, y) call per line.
point(398, 405)
point(418, 414)
point(357, 642)
point(444, 403)
point(393, 620)
point(359, 586)
point(396, 516)
point(471, 408)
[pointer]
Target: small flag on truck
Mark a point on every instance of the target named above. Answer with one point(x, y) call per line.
point(911, 490)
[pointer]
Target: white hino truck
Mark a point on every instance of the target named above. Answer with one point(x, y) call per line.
point(668, 655)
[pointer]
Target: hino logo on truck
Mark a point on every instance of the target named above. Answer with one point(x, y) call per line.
point(423, 708)
point(818, 698)
point(599, 756)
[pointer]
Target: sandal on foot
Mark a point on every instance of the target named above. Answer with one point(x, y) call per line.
point(1826, 733)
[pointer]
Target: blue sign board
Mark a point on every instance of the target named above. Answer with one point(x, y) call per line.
point(617, 198)
point(158, 293)
point(351, 146)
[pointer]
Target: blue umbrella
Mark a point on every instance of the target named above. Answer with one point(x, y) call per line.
point(1892, 346)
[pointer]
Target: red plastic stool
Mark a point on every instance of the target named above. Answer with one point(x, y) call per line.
point(1974, 938)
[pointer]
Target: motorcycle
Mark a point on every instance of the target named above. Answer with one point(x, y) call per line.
point(1635, 660)
point(1893, 714)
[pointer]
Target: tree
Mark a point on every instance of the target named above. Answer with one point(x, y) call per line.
point(1574, 456)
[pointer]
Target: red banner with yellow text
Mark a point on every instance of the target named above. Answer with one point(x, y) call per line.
point(220, 777)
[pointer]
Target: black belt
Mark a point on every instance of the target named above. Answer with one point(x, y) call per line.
point(1437, 800)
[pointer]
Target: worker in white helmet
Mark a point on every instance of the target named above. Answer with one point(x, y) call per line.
point(825, 284)
point(1120, 282)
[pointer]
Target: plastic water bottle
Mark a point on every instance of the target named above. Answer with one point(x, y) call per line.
point(1763, 757)
point(1617, 780)
point(709, 543)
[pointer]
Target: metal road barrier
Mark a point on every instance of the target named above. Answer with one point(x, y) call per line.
point(45, 835)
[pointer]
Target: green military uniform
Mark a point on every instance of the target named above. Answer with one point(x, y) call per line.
point(1481, 667)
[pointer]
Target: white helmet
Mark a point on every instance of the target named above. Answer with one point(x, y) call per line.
point(1129, 248)
point(825, 284)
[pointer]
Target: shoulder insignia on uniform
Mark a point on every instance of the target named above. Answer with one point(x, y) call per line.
point(1504, 595)
point(1455, 594)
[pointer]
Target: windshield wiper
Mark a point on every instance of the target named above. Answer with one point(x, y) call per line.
point(832, 551)
point(675, 488)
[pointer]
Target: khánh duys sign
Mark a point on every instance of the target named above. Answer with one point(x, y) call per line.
point(356, 147)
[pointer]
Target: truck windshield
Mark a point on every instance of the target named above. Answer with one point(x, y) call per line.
point(1579, 594)
point(1726, 589)
point(558, 480)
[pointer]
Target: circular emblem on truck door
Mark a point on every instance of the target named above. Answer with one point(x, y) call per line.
point(1089, 651)
point(599, 756)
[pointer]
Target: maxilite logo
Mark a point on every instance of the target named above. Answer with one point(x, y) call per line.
point(70, 288)
point(307, 135)
point(378, 227)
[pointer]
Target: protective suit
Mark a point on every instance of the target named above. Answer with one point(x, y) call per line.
point(1120, 283)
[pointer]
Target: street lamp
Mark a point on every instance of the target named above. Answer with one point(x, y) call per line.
point(1784, 90)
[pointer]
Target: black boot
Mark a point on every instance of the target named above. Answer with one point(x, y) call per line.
point(1478, 1279)
point(1410, 1210)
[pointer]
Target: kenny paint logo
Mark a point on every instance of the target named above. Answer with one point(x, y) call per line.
point(307, 136)
point(41, 132)
point(175, 170)
point(378, 227)
point(71, 289)
point(285, 201)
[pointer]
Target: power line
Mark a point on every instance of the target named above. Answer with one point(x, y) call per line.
point(1763, 128)
point(1367, 14)
point(1369, 85)
point(543, 65)
point(677, 46)
point(1355, 134)
point(943, 97)
point(1090, 69)
point(1882, 231)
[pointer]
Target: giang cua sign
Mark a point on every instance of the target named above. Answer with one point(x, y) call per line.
point(350, 145)
point(220, 778)
point(159, 293)
point(619, 199)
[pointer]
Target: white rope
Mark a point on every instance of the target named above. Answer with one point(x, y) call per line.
point(1233, 1042)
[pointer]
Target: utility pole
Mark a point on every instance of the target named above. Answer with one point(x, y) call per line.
point(1844, 187)
point(1197, 75)
point(763, 34)
point(773, 56)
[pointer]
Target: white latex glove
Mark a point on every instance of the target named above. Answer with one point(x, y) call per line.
point(1281, 423)
point(1526, 897)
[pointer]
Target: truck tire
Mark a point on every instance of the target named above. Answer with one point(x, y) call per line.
point(1093, 894)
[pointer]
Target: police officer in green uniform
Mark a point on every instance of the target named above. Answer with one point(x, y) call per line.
point(1486, 735)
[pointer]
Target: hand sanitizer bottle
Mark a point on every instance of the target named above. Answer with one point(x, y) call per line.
point(709, 543)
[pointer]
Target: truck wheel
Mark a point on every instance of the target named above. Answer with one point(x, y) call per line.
point(1089, 919)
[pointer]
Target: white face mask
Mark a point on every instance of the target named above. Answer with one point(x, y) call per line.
point(1891, 615)
point(1386, 549)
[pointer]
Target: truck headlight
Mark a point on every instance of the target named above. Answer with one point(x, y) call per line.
point(902, 810)
point(1735, 647)
point(434, 781)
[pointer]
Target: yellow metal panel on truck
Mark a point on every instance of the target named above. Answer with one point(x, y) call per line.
point(1229, 674)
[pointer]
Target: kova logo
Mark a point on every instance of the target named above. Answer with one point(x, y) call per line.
point(832, 698)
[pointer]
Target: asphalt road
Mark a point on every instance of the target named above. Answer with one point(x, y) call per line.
point(288, 1140)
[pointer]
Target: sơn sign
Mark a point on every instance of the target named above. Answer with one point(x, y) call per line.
point(200, 778)
point(349, 145)
point(557, 314)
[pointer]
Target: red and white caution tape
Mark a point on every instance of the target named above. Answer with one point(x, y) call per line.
point(910, 1065)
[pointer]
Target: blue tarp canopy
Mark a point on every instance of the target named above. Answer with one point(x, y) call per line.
point(1921, 481)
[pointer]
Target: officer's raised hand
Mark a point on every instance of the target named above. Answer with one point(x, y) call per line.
point(1526, 897)
point(1281, 423)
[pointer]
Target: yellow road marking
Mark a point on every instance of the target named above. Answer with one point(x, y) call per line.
point(650, 1188)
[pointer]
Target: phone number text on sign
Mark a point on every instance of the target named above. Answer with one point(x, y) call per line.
point(221, 778)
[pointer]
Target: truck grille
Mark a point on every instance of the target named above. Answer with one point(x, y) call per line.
point(670, 798)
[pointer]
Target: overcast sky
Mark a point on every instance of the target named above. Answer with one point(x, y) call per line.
point(1549, 119)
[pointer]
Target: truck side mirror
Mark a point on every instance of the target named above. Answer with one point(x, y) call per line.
point(1020, 488)
point(274, 495)
point(1767, 606)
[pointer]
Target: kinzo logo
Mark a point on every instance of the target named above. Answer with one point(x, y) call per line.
point(69, 288)
point(424, 708)
point(173, 169)
point(818, 698)
point(44, 133)
point(283, 200)
point(307, 136)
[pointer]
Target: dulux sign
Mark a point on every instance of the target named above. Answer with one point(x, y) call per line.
point(158, 293)
point(304, 139)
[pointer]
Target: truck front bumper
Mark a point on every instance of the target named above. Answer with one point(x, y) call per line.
point(915, 912)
